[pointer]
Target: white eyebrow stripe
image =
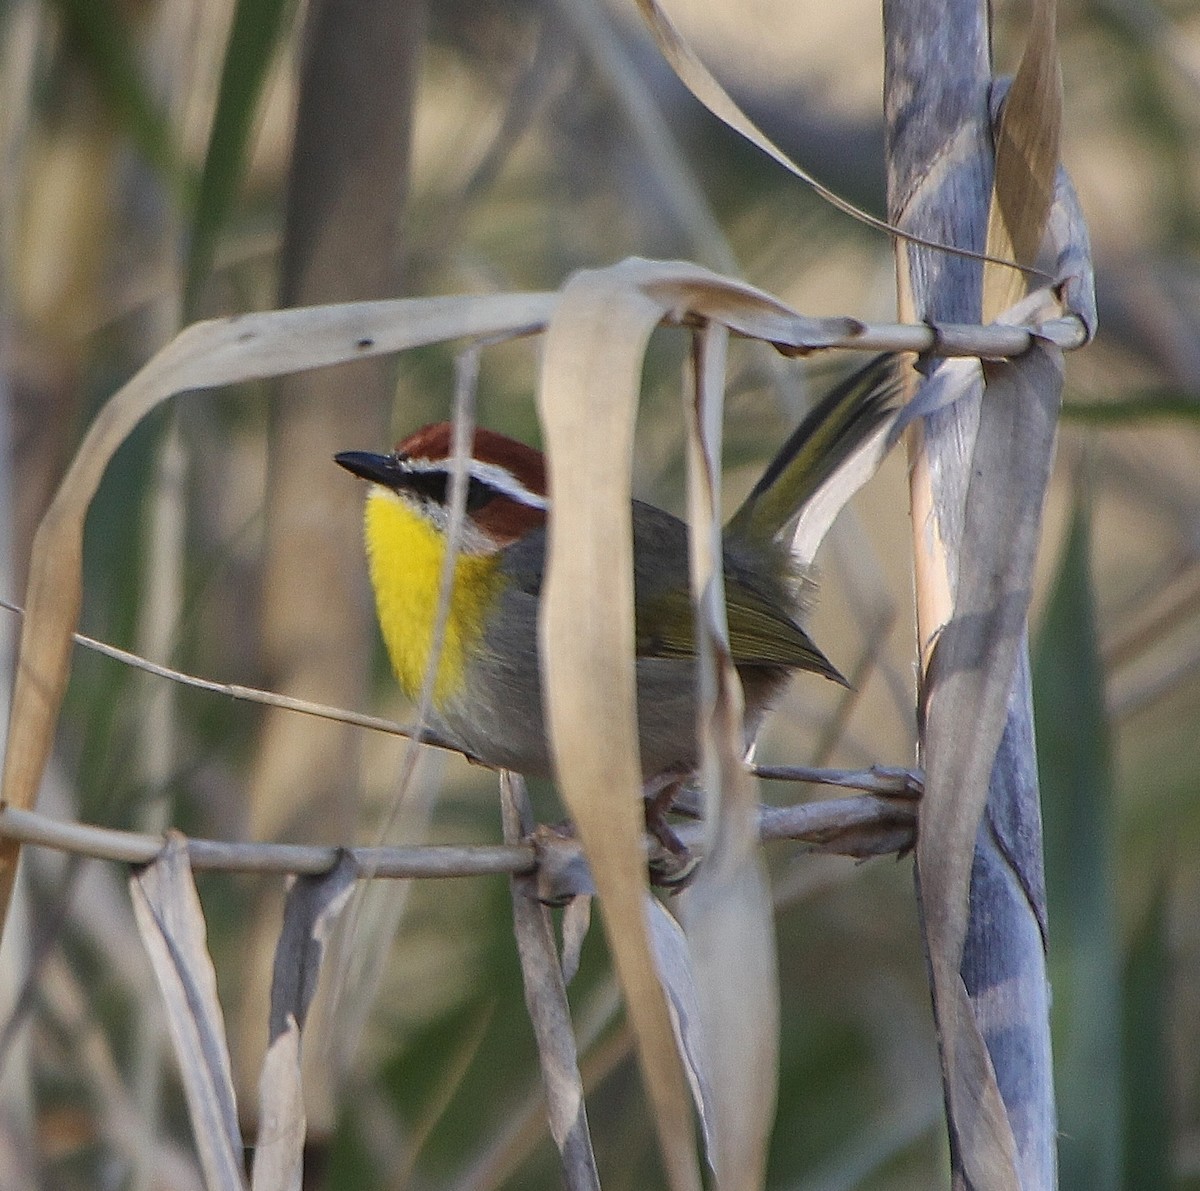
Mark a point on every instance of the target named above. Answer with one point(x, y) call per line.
point(491, 474)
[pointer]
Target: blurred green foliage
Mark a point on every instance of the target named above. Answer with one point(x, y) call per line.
point(1073, 743)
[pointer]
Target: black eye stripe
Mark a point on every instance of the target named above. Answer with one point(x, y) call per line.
point(434, 486)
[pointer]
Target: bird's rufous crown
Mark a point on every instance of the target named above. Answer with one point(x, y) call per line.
point(508, 478)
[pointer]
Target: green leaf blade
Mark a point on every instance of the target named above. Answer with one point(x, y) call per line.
point(1074, 763)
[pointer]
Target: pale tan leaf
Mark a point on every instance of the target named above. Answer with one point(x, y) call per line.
point(588, 392)
point(576, 921)
point(279, 1150)
point(731, 940)
point(700, 82)
point(172, 927)
point(549, 1012)
point(1027, 156)
point(312, 907)
point(728, 909)
point(673, 960)
point(1068, 235)
point(590, 381)
point(967, 690)
point(204, 355)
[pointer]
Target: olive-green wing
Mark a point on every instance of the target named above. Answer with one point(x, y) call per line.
point(758, 635)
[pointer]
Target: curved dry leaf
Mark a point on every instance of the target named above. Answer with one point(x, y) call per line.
point(728, 908)
point(549, 1012)
point(966, 699)
point(700, 82)
point(1026, 162)
point(587, 396)
point(171, 924)
point(1068, 235)
point(313, 905)
point(279, 1148)
point(673, 961)
point(731, 941)
point(576, 921)
point(590, 381)
point(205, 355)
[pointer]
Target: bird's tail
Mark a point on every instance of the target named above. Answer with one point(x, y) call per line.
point(828, 457)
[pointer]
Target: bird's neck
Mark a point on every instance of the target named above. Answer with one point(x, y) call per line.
point(405, 552)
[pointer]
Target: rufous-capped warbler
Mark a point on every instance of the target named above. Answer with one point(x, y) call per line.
point(487, 693)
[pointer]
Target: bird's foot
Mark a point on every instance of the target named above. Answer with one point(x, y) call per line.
point(672, 866)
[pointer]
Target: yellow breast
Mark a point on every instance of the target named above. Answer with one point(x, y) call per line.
point(405, 554)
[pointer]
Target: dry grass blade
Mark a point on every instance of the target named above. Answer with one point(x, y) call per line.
point(1068, 234)
point(203, 356)
point(171, 923)
point(591, 378)
point(966, 698)
point(977, 482)
point(313, 905)
point(700, 82)
point(971, 675)
point(279, 1152)
point(673, 960)
point(728, 911)
point(1026, 161)
point(546, 1000)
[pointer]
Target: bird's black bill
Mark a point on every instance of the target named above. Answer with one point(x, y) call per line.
point(379, 469)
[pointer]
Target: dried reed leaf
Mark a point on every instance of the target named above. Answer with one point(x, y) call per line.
point(587, 398)
point(590, 381)
point(1068, 235)
point(673, 961)
point(204, 355)
point(549, 1012)
point(312, 907)
point(172, 927)
point(966, 698)
point(699, 81)
point(576, 921)
point(279, 1151)
point(728, 908)
point(1027, 157)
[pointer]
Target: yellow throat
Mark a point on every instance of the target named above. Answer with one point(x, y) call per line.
point(405, 552)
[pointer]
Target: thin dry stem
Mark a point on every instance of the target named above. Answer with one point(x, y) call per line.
point(817, 824)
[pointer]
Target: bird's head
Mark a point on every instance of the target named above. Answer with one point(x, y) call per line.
point(506, 483)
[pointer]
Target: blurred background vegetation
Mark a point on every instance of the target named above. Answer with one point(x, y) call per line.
point(162, 161)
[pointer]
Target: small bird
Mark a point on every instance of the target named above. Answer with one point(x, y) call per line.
point(487, 699)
